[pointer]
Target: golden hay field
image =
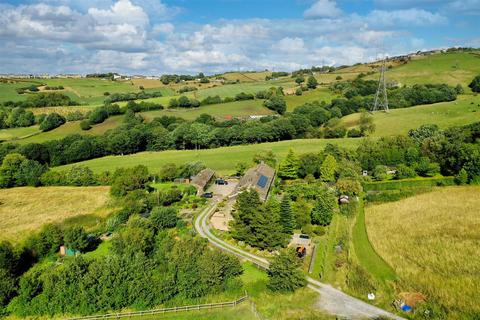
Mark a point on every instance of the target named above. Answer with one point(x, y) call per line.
point(433, 242)
point(26, 209)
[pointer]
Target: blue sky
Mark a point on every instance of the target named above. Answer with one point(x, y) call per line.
point(187, 36)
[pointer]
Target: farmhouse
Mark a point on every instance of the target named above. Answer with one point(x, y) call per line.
point(259, 178)
point(201, 180)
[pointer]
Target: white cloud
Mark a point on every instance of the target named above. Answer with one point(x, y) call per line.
point(122, 12)
point(290, 45)
point(406, 17)
point(323, 9)
point(470, 7)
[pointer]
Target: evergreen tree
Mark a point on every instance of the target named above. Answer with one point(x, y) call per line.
point(322, 213)
point(287, 219)
point(288, 168)
point(257, 224)
point(328, 169)
point(284, 273)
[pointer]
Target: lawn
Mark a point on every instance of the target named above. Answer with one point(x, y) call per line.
point(26, 209)
point(450, 68)
point(465, 110)
point(223, 160)
point(433, 242)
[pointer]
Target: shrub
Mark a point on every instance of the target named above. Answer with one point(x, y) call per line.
point(276, 104)
point(298, 91)
point(164, 217)
point(52, 121)
point(475, 84)
point(404, 172)
point(76, 238)
point(98, 115)
point(85, 125)
point(354, 133)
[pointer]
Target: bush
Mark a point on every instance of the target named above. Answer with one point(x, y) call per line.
point(276, 104)
point(98, 115)
point(404, 172)
point(163, 217)
point(475, 84)
point(85, 125)
point(126, 180)
point(354, 133)
point(52, 121)
point(76, 238)
point(74, 116)
point(298, 91)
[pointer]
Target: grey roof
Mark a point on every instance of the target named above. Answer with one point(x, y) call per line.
point(259, 178)
point(202, 178)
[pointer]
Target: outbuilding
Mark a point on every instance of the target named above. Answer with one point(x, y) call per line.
point(202, 179)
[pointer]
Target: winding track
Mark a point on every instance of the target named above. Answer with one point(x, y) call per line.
point(332, 300)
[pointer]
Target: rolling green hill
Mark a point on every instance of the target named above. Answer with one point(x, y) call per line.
point(450, 68)
point(222, 160)
point(465, 110)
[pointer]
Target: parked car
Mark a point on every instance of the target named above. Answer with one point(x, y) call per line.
point(207, 195)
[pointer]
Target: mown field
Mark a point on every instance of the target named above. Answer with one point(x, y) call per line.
point(433, 242)
point(24, 210)
point(223, 160)
point(449, 68)
point(465, 110)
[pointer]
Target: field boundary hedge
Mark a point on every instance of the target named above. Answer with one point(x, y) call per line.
point(408, 183)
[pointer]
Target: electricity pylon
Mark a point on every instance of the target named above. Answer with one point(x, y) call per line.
point(381, 99)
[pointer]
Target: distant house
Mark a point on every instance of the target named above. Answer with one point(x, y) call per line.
point(259, 178)
point(201, 180)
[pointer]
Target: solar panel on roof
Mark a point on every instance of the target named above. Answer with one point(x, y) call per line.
point(262, 181)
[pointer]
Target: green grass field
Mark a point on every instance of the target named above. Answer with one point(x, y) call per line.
point(223, 160)
point(450, 68)
point(465, 110)
point(70, 128)
point(221, 111)
point(320, 94)
point(366, 254)
point(17, 133)
point(8, 93)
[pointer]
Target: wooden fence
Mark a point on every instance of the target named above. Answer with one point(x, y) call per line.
point(206, 306)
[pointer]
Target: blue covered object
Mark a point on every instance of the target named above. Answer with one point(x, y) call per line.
point(406, 308)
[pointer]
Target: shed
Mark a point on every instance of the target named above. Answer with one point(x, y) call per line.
point(259, 178)
point(201, 180)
